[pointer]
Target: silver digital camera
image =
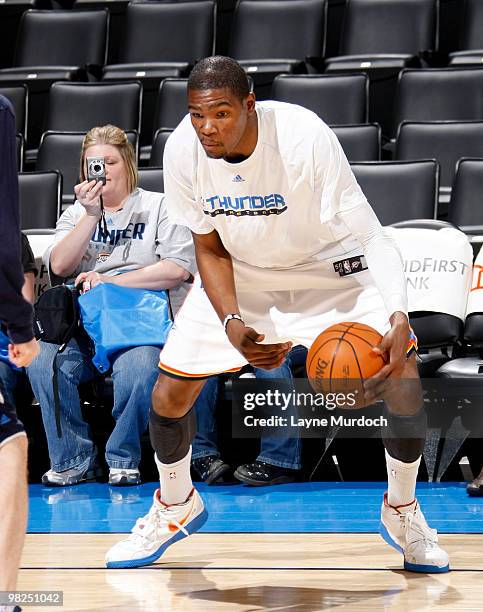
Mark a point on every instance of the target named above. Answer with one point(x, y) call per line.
point(96, 169)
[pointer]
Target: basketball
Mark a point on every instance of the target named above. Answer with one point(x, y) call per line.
point(342, 357)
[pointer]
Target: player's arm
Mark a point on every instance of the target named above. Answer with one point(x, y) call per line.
point(15, 311)
point(385, 263)
point(216, 271)
point(69, 251)
point(382, 254)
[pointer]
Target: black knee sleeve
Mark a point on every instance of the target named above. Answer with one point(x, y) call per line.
point(171, 438)
point(405, 435)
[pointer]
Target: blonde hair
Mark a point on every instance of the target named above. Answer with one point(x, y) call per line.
point(112, 135)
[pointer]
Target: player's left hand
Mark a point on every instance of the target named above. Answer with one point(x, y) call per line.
point(393, 348)
point(89, 280)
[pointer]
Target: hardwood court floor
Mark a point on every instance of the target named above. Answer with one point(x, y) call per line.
point(254, 571)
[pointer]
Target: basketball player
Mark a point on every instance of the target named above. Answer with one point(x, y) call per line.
point(274, 210)
point(16, 313)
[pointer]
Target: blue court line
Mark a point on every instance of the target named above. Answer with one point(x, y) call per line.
point(293, 508)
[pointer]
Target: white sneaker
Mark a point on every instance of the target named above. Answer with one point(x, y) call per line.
point(406, 530)
point(152, 534)
point(122, 477)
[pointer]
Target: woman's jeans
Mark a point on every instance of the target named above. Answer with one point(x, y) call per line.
point(276, 450)
point(134, 372)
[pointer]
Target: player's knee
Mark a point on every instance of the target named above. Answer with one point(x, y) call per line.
point(406, 450)
point(171, 398)
point(171, 437)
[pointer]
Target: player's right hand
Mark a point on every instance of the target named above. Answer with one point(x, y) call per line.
point(22, 355)
point(247, 341)
point(87, 193)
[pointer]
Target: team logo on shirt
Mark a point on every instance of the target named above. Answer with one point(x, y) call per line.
point(102, 257)
point(251, 205)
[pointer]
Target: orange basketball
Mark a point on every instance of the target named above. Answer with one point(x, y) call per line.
point(341, 357)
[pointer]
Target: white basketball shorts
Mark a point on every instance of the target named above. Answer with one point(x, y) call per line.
point(197, 346)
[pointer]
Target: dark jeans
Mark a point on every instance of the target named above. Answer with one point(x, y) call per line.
point(134, 372)
point(279, 451)
point(10, 380)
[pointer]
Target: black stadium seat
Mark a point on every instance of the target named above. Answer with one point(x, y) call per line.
point(18, 96)
point(49, 39)
point(360, 142)
point(399, 191)
point(337, 99)
point(82, 106)
point(39, 196)
point(441, 94)
point(375, 28)
point(151, 179)
point(470, 36)
point(52, 46)
point(117, 15)
point(445, 141)
point(61, 151)
point(162, 39)
point(466, 206)
point(171, 107)
point(172, 103)
point(269, 37)
point(381, 37)
point(157, 150)
point(11, 12)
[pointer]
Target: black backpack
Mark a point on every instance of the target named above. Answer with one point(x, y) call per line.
point(56, 320)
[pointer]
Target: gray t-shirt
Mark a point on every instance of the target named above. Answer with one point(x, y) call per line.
point(139, 235)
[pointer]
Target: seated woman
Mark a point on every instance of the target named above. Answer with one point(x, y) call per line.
point(133, 246)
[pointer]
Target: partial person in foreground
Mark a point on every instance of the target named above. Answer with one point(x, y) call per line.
point(14, 383)
point(274, 210)
point(16, 315)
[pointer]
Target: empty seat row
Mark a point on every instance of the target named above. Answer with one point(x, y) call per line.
point(445, 94)
point(405, 190)
point(422, 95)
point(79, 107)
point(356, 26)
point(165, 39)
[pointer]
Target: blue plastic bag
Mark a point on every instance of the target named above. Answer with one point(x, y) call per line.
point(118, 318)
point(4, 342)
